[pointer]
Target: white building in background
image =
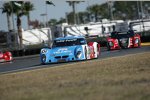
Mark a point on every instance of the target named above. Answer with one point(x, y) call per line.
point(140, 25)
point(99, 29)
point(36, 36)
point(10, 40)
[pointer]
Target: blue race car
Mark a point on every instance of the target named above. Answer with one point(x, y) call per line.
point(73, 48)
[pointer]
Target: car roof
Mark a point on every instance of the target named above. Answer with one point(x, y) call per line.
point(70, 37)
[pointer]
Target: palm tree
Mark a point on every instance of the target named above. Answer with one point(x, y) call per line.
point(95, 9)
point(104, 11)
point(48, 3)
point(83, 17)
point(52, 22)
point(26, 10)
point(18, 10)
point(72, 3)
point(21, 8)
point(7, 9)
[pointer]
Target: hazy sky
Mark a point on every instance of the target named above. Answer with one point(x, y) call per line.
point(55, 12)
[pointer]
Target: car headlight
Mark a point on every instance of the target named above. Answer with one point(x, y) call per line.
point(43, 51)
point(78, 55)
point(43, 58)
point(111, 44)
point(78, 52)
point(136, 41)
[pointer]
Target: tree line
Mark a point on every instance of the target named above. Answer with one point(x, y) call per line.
point(113, 10)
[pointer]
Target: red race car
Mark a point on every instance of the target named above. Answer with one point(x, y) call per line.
point(119, 40)
point(5, 56)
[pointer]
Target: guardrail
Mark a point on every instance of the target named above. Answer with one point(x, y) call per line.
point(17, 53)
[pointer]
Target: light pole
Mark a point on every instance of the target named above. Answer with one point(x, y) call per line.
point(66, 17)
point(46, 16)
point(43, 15)
point(49, 3)
point(74, 12)
point(138, 9)
point(110, 7)
point(141, 4)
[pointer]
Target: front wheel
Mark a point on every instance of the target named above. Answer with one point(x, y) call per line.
point(43, 64)
point(85, 53)
point(108, 47)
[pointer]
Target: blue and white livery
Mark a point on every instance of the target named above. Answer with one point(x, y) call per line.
point(73, 48)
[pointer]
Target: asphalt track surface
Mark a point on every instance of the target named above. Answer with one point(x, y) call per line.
point(33, 62)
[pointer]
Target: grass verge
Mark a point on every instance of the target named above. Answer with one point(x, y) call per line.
point(145, 44)
point(118, 78)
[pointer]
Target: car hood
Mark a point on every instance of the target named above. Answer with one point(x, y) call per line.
point(67, 50)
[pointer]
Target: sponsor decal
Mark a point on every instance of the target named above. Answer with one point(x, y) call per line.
point(62, 50)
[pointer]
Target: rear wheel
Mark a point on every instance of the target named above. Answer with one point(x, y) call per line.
point(108, 46)
point(98, 51)
point(139, 43)
point(43, 59)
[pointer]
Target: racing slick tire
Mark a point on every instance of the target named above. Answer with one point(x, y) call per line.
point(108, 47)
point(43, 64)
point(98, 51)
point(85, 53)
point(139, 43)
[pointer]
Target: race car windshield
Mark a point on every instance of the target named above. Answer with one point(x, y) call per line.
point(130, 33)
point(122, 35)
point(68, 42)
